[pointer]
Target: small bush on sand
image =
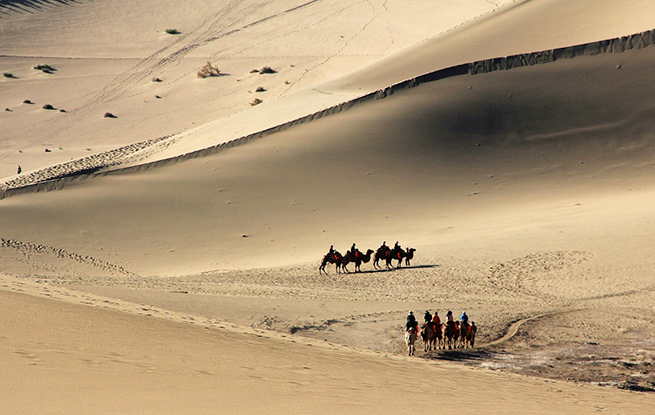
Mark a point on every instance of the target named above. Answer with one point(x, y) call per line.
point(45, 68)
point(260, 89)
point(27, 101)
point(257, 101)
point(8, 75)
point(267, 69)
point(109, 115)
point(48, 107)
point(208, 70)
point(156, 79)
point(172, 31)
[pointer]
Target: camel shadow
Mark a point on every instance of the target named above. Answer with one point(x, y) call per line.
point(461, 355)
point(372, 271)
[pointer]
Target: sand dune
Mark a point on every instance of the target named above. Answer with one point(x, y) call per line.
point(514, 152)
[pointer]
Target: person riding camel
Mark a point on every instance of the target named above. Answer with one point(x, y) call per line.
point(412, 324)
point(331, 252)
point(427, 316)
point(397, 247)
point(464, 318)
point(354, 251)
point(384, 248)
point(436, 320)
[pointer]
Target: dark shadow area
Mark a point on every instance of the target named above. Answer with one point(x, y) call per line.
point(384, 269)
point(460, 355)
point(30, 6)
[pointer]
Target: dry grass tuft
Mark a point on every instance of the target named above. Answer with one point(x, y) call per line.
point(208, 70)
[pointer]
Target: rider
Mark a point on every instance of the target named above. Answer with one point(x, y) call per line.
point(412, 324)
point(397, 247)
point(331, 253)
point(449, 316)
point(354, 251)
point(427, 316)
point(436, 319)
point(464, 318)
point(384, 247)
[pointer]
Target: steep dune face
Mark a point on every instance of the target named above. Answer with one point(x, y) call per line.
point(494, 151)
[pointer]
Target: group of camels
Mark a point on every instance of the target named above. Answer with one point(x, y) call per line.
point(452, 335)
point(357, 257)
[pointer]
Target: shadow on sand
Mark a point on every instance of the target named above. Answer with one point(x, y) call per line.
point(371, 271)
point(30, 6)
point(460, 355)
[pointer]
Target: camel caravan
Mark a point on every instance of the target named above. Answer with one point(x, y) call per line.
point(436, 335)
point(356, 257)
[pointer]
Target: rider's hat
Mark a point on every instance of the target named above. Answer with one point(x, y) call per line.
point(411, 312)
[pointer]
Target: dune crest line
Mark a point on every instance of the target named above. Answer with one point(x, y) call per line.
point(57, 176)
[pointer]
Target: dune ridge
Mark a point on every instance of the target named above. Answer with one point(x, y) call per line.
point(57, 176)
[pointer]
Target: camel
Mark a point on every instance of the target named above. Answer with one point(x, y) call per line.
point(357, 258)
point(409, 255)
point(380, 254)
point(335, 258)
point(474, 329)
point(450, 334)
point(410, 339)
point(430, 336)
point(397, 254)
point(464, 334)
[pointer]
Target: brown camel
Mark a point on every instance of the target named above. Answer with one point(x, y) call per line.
point(429, 336)
point(396, 254)
point(450, 334)
point(464, 334)
point(335, 258)
point(409, 255)
point(381, 253)
point(474, 329)
point(357, 258)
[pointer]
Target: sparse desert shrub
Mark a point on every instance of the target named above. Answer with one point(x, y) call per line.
point(257, 101)
point(260, 89)
point(8, 75)
point(267, 69)
point(27, 101)
point(156, 79)
point(7, 109)
point(172, 31)
point(254, 71)
point(45, 68)
point(62, 110)
point(109, 115)
point(48, 107)
point(208, 70)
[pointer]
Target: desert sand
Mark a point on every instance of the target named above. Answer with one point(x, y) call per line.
point(167, 259)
